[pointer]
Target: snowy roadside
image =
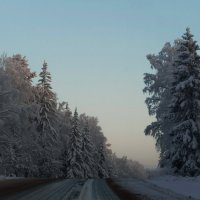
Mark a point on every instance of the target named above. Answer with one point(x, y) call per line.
point(151, 190)
point(188, 186)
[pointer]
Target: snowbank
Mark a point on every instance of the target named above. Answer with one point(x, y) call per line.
point(187, 186)
point(147, 190)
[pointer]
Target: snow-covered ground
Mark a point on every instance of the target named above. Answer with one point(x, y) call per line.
point(164, 187)
point(182, 185)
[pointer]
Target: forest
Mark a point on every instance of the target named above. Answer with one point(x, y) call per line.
point(42, 137)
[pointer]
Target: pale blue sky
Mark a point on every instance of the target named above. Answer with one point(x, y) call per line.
point(96, 51)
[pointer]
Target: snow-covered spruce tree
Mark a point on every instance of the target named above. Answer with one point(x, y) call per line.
point(87, 152)
point(103, 171)
point(65, 119)
point(184, 152)
point(110, 162)
point(158, 88)
point(65, 127)
point(101, 167)
point(74, 160)
point(46, 122)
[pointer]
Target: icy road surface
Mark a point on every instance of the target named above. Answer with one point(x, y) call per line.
point(92, 189)
point(97, 189)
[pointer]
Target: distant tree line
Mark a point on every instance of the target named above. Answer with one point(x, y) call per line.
point(174, 100)
point(40, 137)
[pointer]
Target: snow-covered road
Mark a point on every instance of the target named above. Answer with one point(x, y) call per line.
point(71, 189)
point(97, 189)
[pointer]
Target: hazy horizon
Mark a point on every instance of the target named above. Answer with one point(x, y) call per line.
point(96, 52)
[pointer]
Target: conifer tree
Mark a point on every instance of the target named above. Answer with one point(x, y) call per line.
point(184, 153)
point(102, 165)
point(47, 118)
point(87, 152)
point(65, 131)
point(174, 100)
point(74, 155)
point(47, 101)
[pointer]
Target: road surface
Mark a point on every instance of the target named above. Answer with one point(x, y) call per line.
point(97, 189)
point(70, 189)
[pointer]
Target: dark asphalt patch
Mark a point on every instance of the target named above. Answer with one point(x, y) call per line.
point(12, 186)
